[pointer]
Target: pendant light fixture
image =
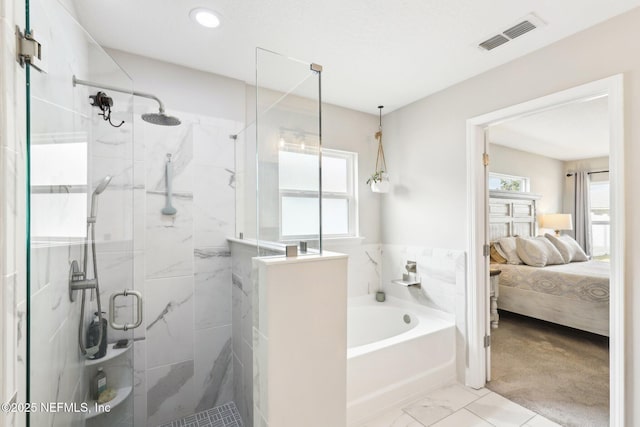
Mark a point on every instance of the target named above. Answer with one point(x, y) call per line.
point(379, 181)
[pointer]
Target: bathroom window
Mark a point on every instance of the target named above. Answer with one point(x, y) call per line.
point(499, 181)
point(58, 189)
point(298, 183)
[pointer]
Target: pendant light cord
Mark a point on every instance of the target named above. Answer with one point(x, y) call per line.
point(380, 148)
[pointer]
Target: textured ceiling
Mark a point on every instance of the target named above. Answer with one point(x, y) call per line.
point(373, 51)
point(571, 132)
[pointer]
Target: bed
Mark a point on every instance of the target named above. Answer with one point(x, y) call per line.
point(574, 294)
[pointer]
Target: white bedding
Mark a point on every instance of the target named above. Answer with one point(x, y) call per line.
point(586, 281)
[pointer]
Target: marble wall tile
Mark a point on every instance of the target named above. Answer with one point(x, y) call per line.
point(214, 205)
point(168, 239)
point(247, 379)
point(10, 221)
point(21, 350)
point(239, 397)
point(236, 322)
point(212, 143)
point(170, 393)
point(174, 140)
point(140, 382)
point(10, 324)
point(213, 367)
point(119, 271)
point(139, 204)
point(169, 312)
point(212, 287)
point(113, 143)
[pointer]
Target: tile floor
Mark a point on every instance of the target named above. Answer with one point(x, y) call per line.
point(460, 406)
point(221, 416)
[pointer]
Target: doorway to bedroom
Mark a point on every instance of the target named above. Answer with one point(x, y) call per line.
point(545, 305)
point(548, 228)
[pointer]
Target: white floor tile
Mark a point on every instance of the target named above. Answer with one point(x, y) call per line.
point(480, 392)
point(462, 418)
point(440, 404)
point(540, 421)
point(500, 411)
point(394, 418)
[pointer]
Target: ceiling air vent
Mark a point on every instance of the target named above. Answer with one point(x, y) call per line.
point(526, 24)
point(519, 29)
point(493, 42)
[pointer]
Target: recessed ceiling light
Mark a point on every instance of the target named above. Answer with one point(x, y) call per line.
point(205, 17)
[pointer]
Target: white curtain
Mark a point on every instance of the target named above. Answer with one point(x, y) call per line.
point(582, 211)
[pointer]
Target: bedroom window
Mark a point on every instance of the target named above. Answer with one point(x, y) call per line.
point(503, 182)
point(298, 184)
point(600, 219)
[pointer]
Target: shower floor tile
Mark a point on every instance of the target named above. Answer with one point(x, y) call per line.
point(221, 416)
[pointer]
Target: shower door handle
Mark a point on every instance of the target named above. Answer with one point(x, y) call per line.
point(112, 310)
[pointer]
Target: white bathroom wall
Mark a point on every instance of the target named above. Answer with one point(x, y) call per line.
point(426, 150)
point(547, 175)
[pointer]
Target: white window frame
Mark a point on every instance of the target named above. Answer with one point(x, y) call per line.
point(591, 209)
point(351, 195)
point(526, 188)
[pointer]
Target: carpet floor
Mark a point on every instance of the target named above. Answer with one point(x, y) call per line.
point(561, 373)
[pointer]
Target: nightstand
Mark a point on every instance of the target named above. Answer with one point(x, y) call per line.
point(494, 279)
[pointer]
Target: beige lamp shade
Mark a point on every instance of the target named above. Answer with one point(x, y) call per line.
point(557, 222)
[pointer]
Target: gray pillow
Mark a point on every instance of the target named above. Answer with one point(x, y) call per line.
point(508, 246)
point(538, 251)
point(568, 248)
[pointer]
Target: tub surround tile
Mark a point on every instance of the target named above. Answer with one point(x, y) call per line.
point(170, 392)
point(500, 411)
point(365, 267)
point(462, 418)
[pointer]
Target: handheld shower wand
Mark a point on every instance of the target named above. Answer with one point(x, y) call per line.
point(82, 283)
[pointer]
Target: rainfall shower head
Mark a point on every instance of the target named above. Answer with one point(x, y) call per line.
point(161, 119)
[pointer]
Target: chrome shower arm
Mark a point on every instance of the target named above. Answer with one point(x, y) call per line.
point(77, 81)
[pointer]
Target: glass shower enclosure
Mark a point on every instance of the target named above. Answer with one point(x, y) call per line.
point(279, 157)
point(80, 156)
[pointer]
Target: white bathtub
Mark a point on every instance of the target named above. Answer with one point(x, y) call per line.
point(396, 350)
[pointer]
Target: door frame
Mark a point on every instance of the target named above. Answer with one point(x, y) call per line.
point(477, 284)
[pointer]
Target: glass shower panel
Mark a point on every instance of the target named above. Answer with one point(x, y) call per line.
point(79, 163)
point(288, 143)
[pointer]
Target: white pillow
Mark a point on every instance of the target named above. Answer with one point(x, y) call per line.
point(508, 246)
point(538, 251)
point(568, 248)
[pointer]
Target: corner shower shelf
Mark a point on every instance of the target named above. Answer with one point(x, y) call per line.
point(121, 396)
point(111, 354)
